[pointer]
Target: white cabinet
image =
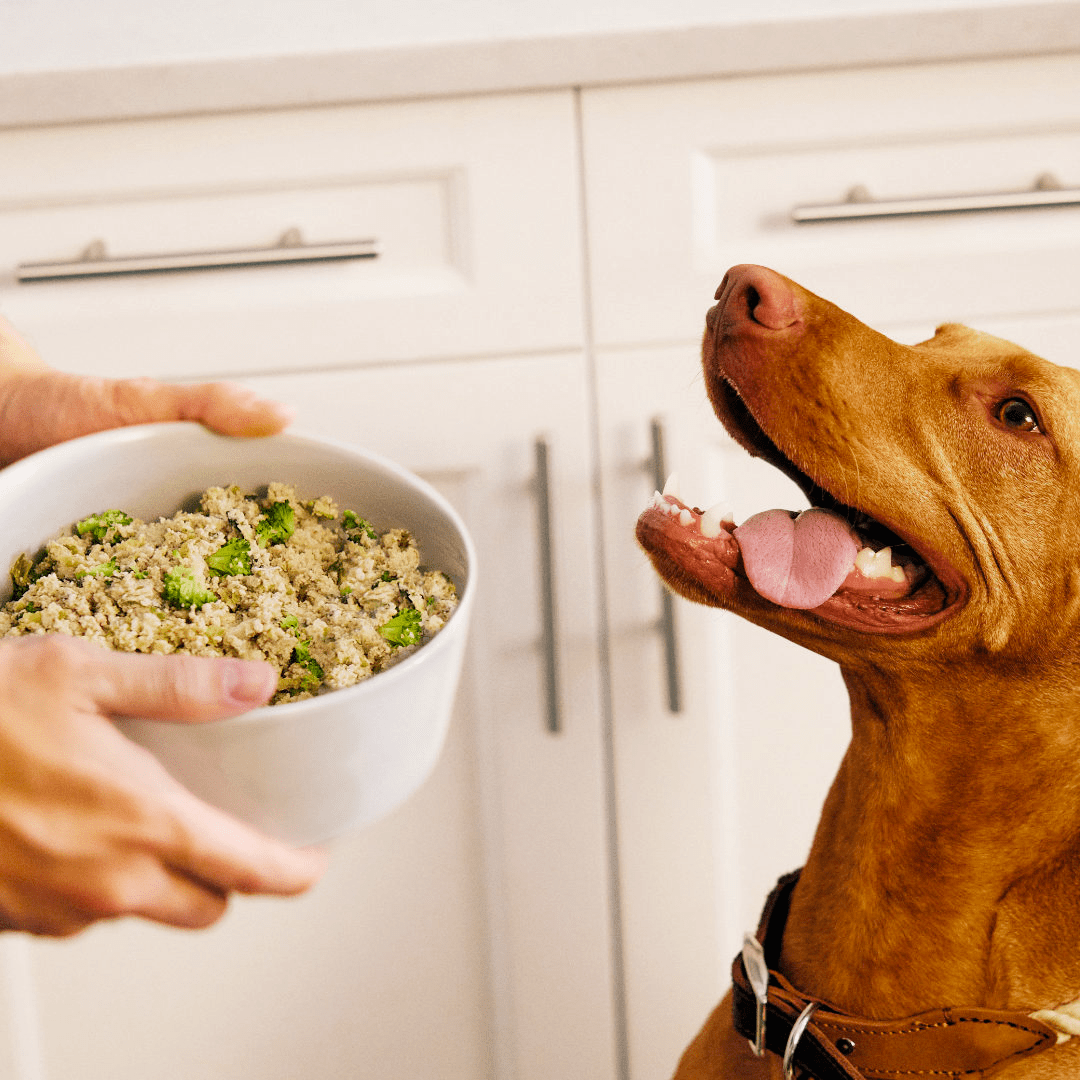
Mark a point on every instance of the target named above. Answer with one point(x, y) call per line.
point(473, 205)
point(687, 179)
point(471, 933)
point(467, 935)
point(549, 904)
point(682, 181)
point(716, 799)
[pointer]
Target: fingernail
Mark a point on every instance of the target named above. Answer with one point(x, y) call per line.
point(249, 682)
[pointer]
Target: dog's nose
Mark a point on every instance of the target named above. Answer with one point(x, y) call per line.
point(758, 294)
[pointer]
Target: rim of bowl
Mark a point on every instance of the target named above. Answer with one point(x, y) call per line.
point(12, 475)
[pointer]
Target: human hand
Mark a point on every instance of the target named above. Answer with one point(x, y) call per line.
point(40, 407)
point(91, 825)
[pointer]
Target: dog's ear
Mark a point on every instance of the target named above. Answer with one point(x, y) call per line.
point(950, 334)
point(972, 342)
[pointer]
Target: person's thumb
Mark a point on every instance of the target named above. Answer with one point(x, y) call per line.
point(179, 687)
point(225, 407)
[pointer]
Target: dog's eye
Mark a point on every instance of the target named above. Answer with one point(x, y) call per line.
point(1017, 414)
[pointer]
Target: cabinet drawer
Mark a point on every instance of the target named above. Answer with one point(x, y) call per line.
point(686, 180)
point(473, 206)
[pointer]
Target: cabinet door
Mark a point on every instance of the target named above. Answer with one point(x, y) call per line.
point(687, 179)
point(716, 800)
point(468, 934)
point(472, 205)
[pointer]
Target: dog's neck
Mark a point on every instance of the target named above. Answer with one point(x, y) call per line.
point(941, 873)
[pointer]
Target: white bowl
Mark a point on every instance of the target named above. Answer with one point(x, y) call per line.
point(304, 771)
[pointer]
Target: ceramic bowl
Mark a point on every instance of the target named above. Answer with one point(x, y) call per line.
point(304, 771)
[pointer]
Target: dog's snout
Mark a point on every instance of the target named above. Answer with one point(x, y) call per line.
point(758, 295)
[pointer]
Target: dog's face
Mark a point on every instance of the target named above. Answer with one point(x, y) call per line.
point(961, 455)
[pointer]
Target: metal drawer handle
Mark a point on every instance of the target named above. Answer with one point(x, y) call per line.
point(860, 205)
point(95, 262)
point(668, 630)
point(547, 588)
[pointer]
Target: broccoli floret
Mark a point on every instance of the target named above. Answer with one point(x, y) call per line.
point(103, 570)
point(182, 590)
point(356, 527)
point(302, 655)
point(403, 628)
point(97, 525)
point(233, 557)
point(276, 525)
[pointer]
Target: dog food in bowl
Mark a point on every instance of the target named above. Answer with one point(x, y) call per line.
point(308, 586)
point(311, 768)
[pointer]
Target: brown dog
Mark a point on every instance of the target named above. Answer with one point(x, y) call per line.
point(945, 872)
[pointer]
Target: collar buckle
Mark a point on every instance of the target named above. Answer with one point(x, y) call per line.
point(796, 1034)
point(757, 971)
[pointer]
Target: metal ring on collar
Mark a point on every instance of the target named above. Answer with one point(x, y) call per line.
point(796, 1034)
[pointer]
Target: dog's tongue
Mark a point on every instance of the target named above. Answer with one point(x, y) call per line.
point(797, 562)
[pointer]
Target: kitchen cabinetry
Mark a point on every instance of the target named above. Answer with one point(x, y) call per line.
point(470, 933)
point(683, 181)
point(466, 935)
point(714, 799)
point(472, 208)
point(550, 904)
point(728, 160)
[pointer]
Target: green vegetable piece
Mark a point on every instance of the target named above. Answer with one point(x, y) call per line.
point(357, 525)
point(276, 525)
point(22, 570)
point(97, 525)
point(302, 655)
point(403, 628)
point(290, 622)
point(231, 558)
point(182, 590)
point(387, 576)
point(104, 570)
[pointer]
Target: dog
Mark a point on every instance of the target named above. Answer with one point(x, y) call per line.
point(935, 927)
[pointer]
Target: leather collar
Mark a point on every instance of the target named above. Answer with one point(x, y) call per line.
point(828, 1044)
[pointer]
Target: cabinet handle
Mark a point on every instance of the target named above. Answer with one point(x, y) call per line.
point(668, 632)
point(291, 248)
point(547, 588)
point(860, 205)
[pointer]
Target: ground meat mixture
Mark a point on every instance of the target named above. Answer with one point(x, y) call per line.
point(311, 588)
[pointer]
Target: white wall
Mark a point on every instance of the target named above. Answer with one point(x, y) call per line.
point(59, 35)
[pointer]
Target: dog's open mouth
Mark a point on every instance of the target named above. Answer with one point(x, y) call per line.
point(833, 559)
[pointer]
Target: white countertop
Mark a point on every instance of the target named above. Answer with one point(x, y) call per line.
point(62, 61)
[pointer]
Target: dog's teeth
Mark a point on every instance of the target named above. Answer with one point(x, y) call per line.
point(685, 517)
point(878, 564)
point(883, 563)
point(672, 485)
point(657, 499)
point(711, 519)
